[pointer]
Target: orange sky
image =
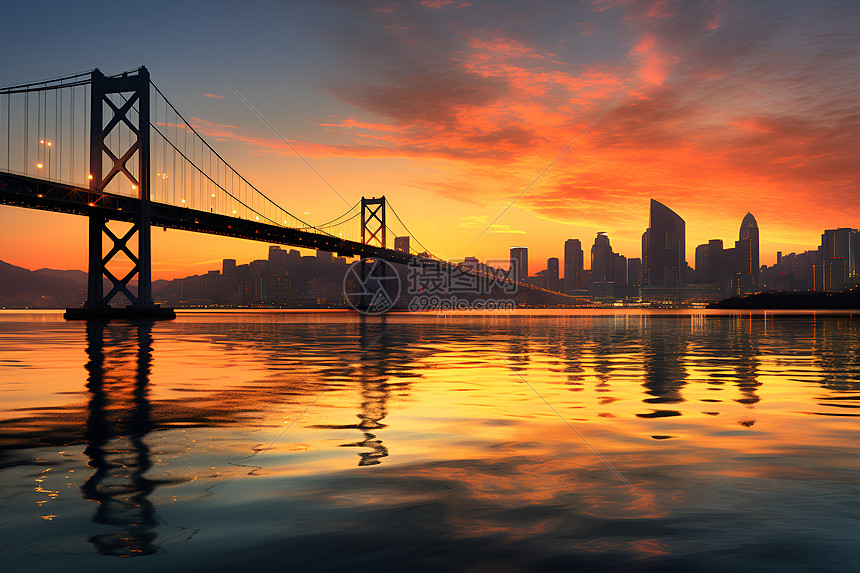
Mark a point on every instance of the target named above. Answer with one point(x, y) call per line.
point(452, 109)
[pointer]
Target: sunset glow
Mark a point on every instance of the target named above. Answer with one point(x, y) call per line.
point(451, 112)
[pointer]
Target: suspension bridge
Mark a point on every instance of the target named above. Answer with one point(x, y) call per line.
point(114, 148)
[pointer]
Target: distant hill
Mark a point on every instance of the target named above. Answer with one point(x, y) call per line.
point(44, 288)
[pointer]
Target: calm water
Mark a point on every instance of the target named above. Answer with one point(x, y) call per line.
point(320, 441)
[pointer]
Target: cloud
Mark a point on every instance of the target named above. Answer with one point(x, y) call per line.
point(444, 4)
point(731, 105)
point(214, 96)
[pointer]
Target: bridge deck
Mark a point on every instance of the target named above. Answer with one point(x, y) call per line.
point(21, 191)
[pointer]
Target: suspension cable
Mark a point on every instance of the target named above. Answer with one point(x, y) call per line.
point(167, 101)
point(408, 232)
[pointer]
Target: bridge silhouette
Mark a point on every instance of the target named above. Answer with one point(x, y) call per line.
point(114, 148)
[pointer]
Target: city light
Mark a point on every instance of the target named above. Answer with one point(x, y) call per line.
point(39, 165)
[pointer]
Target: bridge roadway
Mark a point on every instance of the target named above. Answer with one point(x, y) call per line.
point(21, 191)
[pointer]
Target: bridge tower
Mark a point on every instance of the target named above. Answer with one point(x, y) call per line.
point(373, 232)
point(105, 117)
point(373, 221)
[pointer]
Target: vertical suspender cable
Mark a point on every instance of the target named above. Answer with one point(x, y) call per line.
point(72, 135)
point(60, 137)
point(26, 130)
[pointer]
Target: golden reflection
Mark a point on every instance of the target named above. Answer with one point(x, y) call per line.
point(689, 410)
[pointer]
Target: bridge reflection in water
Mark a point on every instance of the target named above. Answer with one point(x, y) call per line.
point(118, 422)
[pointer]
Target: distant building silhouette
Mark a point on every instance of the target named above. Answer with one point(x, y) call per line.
point(747, 255)
point(572, 265)
point(634, 275)
point(839, 255)
point(703, 267)
point(553, 280)
point(286, 279)
point(520, 263)
point(601, 259)
point(619, 275)
point(716, 262)
point(663, 245)
point(401, 244)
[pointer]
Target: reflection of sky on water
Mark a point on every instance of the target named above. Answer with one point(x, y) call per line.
point(736, 433)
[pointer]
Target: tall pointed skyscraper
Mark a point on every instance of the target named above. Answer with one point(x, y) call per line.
point(748, 253)
point(663, 246)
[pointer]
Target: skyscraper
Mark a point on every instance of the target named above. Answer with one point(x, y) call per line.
point(703, 269)
point(748, 254)
point(663, 245)
point(401, 244)
point(601, 259)
point(520, 263)
point(572, 265)
point(552, 274)
point(842, 243)
point(634, 275)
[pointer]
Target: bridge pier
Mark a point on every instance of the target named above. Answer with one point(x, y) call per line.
point(137, 88)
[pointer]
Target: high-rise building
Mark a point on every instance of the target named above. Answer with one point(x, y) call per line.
point(634, 275)
point(619, 269)
point(748, 254)
point(552, 279)
point(716, 262)
point(663, 245)
point(520, 263)
point(835, 273)
point(401, 244)
point(619, 274)
point(703, 270)
point(842, 243)
point(601, 259)
point(572, 265)
point(277, 255)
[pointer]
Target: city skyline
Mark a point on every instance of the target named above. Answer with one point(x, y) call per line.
point(453, 109)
